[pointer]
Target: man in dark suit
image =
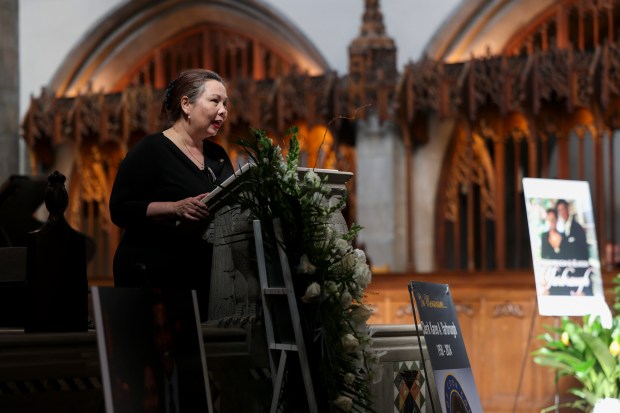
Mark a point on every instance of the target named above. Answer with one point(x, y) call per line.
point(574, 244)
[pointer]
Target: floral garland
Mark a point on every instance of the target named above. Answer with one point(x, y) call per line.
point(330, 274)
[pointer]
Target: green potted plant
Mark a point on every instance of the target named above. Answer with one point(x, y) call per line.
point(589, 352)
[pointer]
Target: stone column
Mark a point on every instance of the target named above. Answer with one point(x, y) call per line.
point(9, 89)
point(380, 193)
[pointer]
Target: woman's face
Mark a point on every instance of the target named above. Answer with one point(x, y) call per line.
point(208, 112)
point(552, 219)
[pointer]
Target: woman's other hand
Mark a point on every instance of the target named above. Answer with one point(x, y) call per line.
point(191, 209)
point(188, 209)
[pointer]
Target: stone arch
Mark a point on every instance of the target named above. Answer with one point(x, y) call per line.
point(479, 27)
point(581, 24)
point(126, 37)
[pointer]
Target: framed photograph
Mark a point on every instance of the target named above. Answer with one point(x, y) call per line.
point(565, 255)
point(151, 350)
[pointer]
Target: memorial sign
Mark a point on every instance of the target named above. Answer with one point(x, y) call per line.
point(448, 357)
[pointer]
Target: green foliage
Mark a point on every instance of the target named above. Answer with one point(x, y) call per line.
point(329, 274)
point(588, 352)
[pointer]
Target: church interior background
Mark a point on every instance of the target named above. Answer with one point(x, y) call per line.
point(505, 90)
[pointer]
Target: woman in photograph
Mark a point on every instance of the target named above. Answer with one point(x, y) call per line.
point(551, 240)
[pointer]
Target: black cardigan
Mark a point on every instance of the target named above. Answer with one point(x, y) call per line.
point(162, 253)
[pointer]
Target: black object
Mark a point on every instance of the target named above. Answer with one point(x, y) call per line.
point(12, 286)
point(56, 281)
point(20, 196)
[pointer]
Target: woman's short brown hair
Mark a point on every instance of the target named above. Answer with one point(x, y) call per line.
point(190, 83)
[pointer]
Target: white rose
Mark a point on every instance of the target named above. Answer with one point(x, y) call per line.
point(290, 175)
point(356, 291)
point(349, 261)
point(363, 276)
point(361, 314)
point(342, 245)
point(317, 198)
point(346, 299)
point(350, 343)
point(312, 179)
point(344, 403)
point(312, 293)
point(331, 288)
point(365, 340)
point(360, 256)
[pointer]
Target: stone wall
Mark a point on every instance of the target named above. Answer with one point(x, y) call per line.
point(9, 89)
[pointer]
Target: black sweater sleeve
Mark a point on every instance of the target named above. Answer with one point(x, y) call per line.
point(134, 185)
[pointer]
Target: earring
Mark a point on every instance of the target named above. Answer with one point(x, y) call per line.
point(189, 118)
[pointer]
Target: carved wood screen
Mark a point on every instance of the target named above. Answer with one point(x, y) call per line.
point(552, 114)
point(582, 24)
point(232, 55)
point(483, 224)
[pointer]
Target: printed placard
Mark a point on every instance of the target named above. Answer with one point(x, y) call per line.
point(565, 256)
point(446, 348)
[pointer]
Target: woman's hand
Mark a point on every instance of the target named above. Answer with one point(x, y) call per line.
point(188, 209)
point(191, 209)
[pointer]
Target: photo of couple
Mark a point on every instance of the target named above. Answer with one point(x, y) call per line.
point(564, 247)
point(565, 238)
point(565, 256)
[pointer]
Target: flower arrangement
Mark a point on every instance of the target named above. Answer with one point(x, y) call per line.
point(590, 353)
point(329, 274)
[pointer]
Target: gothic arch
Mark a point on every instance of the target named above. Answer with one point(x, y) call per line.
point(479, 27)
point(126, 37)
point(581, 24)
point(466, 198)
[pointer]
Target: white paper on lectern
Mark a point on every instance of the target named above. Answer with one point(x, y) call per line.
point(228, 183)
point(557, 300)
